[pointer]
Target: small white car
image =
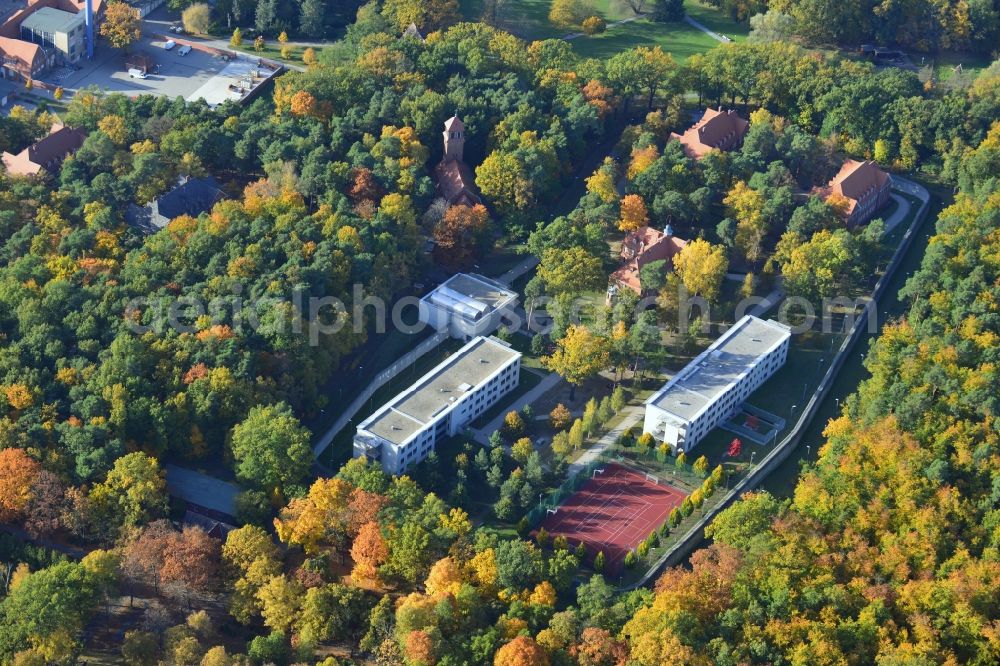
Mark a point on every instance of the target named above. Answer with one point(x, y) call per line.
point(169, 45)
point(184, 50)
point(135, 73)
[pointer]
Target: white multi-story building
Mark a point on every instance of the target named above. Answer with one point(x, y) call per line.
point(468, 305)
point(713, 386)
point(439, 404)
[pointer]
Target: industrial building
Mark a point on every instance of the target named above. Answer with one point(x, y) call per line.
point(439, 404)
point(714, 386)
point(467, 305)
point(62, 32)
point(48, 33)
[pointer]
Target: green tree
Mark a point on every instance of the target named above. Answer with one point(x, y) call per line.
point(570, 271)
point(133, 493)
point(599, 562)
point(311, 18)
point(271, 448)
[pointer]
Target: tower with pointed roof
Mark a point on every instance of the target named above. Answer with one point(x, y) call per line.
point(454, 139)
point(456, 183)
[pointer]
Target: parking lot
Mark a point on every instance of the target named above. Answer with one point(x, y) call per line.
point(175, 76)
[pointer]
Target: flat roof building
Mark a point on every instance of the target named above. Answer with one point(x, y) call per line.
point(467, 305)
point(713, 386)
point(439, 404)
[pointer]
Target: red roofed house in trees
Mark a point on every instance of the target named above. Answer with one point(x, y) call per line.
point(641, 247)
point(46, 153)
point(717, 130)
point(863, 185)
point(455, 180)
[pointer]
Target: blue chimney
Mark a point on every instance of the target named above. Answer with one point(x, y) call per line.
point(88, 15)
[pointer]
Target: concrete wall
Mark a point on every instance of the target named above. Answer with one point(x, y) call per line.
point(380, 380)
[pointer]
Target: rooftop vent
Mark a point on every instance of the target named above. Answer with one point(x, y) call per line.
point(483, 360)
point(755, 339)
point(396, 428)
point(444, 390)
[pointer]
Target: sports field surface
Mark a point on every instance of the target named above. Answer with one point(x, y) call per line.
point(613, 512)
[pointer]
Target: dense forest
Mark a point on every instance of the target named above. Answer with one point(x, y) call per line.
point(887, 553)
point(925, 26)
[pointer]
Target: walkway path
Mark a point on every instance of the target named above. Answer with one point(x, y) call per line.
point(575, 35)
point(714, 35)
point(523, 267)
point(482, 435)
point(633, 415)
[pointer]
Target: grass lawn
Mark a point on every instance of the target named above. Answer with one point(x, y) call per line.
point(716, 20)
point(529, 20)
point(945, 63)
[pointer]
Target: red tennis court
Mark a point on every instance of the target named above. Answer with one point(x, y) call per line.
point(613, 512)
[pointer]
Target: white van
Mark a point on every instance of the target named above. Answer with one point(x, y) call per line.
point(169, 45)
point(184, 50)
point(136, 73)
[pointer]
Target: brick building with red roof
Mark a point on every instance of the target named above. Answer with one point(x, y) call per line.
point(47, 153)
point(863, 185)
point(641, 247)
point(717, 130)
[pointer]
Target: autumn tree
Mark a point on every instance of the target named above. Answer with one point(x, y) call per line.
point(18, 474)
point(633, 213)
point(569, 14)
point(190, 563)
point(560, 417)
point(579, 354)
point(747, 206)
point(369, 552)
point(317, 520)
point(602, 182)
point(122, 25)
point(197, 18)
point(133, 493)
point(701, 268)
point(462, 234)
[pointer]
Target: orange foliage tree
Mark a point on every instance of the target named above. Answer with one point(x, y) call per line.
point(634, 215)
point(369, 552)
point(522, 651)
point(461, 234)
point(18, 472)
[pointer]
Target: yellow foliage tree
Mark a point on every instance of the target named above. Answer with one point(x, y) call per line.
point(702, 267)
point(633, 213)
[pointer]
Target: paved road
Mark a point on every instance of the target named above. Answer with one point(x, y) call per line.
point(633, 415)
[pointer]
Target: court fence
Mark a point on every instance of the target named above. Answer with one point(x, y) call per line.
point(651, 462)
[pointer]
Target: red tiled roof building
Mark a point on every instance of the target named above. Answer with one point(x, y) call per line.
point(863, 185)
point(47, 153)
point(641, 247)
point(717, 130)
